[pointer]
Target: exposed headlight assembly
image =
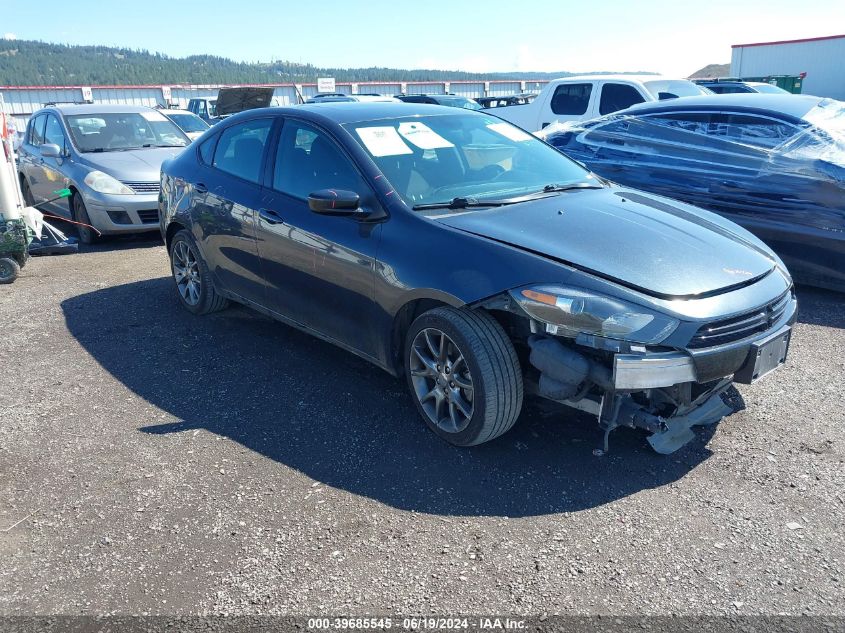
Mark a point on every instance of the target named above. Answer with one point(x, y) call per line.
point(572, 311)
point(103, 183)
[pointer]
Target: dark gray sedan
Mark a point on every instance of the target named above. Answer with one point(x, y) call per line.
point(459, 251)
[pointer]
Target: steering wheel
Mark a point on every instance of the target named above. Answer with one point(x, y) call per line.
point(489, 172)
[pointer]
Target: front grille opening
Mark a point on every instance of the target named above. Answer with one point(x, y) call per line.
point(151, 186)
point(148, 216)
point(741, 326)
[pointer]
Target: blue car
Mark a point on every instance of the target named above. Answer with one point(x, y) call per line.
point(774, 164)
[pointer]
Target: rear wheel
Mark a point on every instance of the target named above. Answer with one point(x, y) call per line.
point(464, 375)
point(86, 234)
point(9, 270)
point(190, 274)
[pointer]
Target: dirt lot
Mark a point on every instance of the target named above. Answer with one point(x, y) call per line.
point(156, 462)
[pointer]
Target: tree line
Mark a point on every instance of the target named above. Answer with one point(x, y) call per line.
point(32, 63)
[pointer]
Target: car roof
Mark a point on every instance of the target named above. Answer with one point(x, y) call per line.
point(637, 78)
point(356, 111)
point(166, 111)
point(98, 108)
point(795, 106)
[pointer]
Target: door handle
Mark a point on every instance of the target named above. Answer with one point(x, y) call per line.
point(269, 216)
point(200, 188)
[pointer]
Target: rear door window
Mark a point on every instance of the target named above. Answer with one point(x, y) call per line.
point(752, 130)
point(571, 98)
point(36, 131)
point(240, 150)
point(615, 97)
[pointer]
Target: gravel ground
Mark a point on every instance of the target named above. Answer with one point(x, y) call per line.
point(156, 462)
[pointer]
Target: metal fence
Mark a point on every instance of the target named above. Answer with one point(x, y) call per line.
point(22, 101)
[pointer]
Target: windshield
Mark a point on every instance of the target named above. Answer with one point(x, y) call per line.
point(434, 159)
point(212, 107)
point(829, 116)
point(116, 131)
point(458, 102)
point(188, 122)
point(671, 88)
point(769, 89)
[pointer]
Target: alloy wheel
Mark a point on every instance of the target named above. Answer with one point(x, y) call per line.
point(441, 380)
point(186, 273)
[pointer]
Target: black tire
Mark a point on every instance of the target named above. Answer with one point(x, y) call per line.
point(207, 299)
point(26, 192)
point(80, 214)
point(9, 270)
point(494, 374)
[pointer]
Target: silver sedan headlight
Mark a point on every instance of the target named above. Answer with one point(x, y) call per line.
point(103, 183)
point(573, 311)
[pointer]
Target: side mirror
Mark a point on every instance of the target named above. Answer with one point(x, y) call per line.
point(335, 202)
point(50, 150)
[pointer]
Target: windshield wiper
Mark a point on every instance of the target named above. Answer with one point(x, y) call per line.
point(467, 203)
point(162, 145)
point(460, 203)
point(574, 185)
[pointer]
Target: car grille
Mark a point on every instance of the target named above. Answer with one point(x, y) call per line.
point(148, 216)
point(142, 186)
point(741, 326)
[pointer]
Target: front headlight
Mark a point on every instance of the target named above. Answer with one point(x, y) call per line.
point(103, 183)
point(572, 311)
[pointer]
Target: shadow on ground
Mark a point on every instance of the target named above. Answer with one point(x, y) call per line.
point(310, 406)
point(821, 307)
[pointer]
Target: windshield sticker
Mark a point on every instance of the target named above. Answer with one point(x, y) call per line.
point(422, 136)
point(153, 116)
point(383, 141)
point(509, 131)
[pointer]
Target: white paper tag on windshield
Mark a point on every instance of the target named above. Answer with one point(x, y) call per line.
point(509, 131)
point(153, 116)
point(422, 136)
point(383, 141)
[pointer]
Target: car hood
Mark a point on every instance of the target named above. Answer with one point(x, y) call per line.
point(234, 100)
point(138, 165)
point(652, 244)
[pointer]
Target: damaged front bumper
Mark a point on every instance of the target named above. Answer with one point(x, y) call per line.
point(661, 393)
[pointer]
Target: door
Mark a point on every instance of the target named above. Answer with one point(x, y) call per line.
point(226, 197)
point(616, 96)
point(318, 269)
point(31, 163)
point(569, 102)
point(51, 167)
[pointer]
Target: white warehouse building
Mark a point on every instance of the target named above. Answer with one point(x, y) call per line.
point(822, 58)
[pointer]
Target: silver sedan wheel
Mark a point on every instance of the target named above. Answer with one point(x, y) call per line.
point(441, 380)
point(186, 273)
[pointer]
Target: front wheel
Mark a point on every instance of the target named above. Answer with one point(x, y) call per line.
point(87, 235)
point(464, 375)
point(9, 270)
point(190, 274)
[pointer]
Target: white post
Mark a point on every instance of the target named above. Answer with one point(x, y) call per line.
point(10, 197)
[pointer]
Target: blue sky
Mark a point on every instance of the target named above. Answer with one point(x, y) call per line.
point(675, 38)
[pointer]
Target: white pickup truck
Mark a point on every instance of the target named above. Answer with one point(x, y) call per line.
point(589, 96)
